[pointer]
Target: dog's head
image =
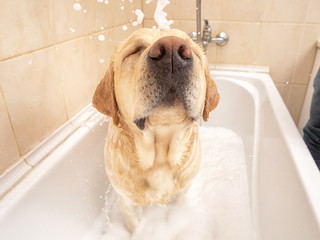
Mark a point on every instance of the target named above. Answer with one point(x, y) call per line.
point(161, 76)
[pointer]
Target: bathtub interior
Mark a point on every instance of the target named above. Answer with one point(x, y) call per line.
point(65, 192)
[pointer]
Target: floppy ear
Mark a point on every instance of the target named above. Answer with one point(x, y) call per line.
point(104, 99)
point(212, 96)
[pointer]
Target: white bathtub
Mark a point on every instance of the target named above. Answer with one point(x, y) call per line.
point(63, 195)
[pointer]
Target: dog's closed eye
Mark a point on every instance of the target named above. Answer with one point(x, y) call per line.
point(135, 51)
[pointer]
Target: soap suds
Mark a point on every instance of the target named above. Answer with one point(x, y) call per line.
point(217, 206)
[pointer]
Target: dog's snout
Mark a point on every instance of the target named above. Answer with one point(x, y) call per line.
point(170, 52)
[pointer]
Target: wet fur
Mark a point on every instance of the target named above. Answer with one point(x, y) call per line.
point(152, 150)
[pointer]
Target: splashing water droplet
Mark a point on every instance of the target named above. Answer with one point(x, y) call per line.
point(160, 16)
point(125, 28)
point(77, 6)
point(122, 7)
point(101, 37)
point(106, 2)
point(84, 11)
point(140, 16)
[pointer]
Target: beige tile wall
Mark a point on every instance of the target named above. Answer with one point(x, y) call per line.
point(50, 63)
point(51, 58)
point(280, 34)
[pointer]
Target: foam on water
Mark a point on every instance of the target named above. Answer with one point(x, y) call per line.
point(216, 207)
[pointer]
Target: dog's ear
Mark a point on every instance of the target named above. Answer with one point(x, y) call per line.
point(212, 96)
point(104, 99)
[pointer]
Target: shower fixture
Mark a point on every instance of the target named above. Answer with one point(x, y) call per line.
point(221, 39)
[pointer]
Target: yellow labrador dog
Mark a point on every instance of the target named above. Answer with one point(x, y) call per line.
point(156, 89)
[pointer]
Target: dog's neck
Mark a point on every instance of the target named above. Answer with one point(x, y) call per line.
point(160, 144)
point(157, 157)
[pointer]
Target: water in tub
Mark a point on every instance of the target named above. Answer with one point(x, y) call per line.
point(217, 205)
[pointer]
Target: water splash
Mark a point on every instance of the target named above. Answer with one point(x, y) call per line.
point(140, 16)
point(160, 16)
point(101, 37)
point(77, 6)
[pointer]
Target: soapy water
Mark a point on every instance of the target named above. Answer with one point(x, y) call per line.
point(217, 205)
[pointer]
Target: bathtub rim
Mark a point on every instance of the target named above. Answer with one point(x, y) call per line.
point(307, 170)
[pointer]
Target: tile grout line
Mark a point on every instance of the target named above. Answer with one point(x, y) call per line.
point(59, 43)
point(10, 120)
point(298, 54)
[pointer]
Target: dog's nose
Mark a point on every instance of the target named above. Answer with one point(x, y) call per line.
point(170, 52)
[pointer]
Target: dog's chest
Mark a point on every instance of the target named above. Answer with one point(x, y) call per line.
point(156, 168)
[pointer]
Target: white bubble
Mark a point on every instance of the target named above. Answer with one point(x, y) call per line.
point(125, 28)
point(122, 7)
point(140, 16)
point(148, 1)
point(106, 2)
point(72, 29)
point(101, 60)
point(90, 37)
point(77, 6)
point(101, 37)
point(101, 1)
point(30, 61)
point(102, 28)
point(84, 11)
point(135, 23)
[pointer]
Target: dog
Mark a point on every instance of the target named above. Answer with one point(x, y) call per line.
point(156, 89)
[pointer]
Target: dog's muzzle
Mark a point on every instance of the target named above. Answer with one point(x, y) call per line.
point(170, 62)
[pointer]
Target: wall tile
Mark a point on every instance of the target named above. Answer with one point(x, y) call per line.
point(242, 10)
point(243, 43)
point(313, 14)
point(40, 23)
point(24, 25)
point(9, 152)
point(278, 49)
point(306, 55)
point(211, 9)
point(288, 11)
point(32, 91)
point(284, 91)
point(295, 100)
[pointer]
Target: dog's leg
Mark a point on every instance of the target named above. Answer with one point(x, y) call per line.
point(129, 214)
